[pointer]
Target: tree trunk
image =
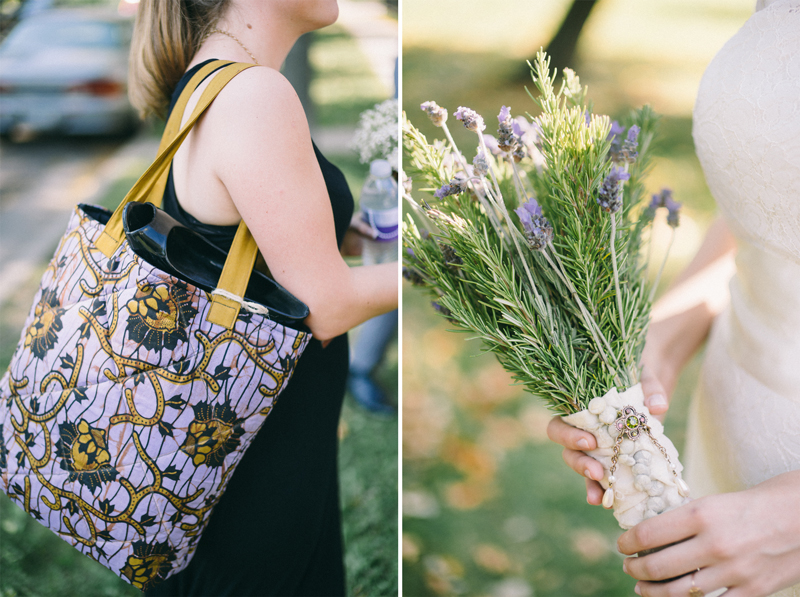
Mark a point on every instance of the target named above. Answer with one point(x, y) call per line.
point(561, 48)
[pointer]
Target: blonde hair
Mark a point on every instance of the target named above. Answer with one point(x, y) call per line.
point(166, 36)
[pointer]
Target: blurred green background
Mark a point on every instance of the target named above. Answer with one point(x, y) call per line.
point(489, 507)
point(34, 562)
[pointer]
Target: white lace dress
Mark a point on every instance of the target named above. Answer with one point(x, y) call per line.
point(745, 418)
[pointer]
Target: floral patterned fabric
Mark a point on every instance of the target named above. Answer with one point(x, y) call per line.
point(124, 412)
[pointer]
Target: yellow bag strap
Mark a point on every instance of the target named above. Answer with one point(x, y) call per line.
point(242, 256)
point(233, 281)
point(173, 125)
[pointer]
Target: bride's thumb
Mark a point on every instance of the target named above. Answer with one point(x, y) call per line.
point(655, 396)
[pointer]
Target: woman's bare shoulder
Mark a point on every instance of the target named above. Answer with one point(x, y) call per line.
point(259, 92)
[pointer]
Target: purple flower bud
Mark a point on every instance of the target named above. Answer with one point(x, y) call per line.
point(616, 130)
point(507, 139)
point(628, 152)
point(471, 119)
point(450, 256)
point(454, 187)
point(609, 197)
point(537, 229)
point(413, 276)
point(673, 211)
point(480, 164)
point(437, 114)
point(623, 152)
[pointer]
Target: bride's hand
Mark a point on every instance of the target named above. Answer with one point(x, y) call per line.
point(748, 541)
point(576, 441)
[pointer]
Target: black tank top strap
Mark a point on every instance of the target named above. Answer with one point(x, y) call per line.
point(222, 236)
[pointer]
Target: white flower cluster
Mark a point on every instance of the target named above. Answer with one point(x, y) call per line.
point(376, 135)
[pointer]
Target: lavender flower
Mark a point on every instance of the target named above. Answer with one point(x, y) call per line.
point(673, 210)
point(609, 197)
point(537, 229)
point(616, 131)
point(454, 187)
point(471, 119)
point(664, 199)
point(623, 151)
point(437, 114)
point(450, 256)
point(413, 276)
point(480, 164)
point(650, 211)
point(507, 139)
point(519, 153)
point(629, 153)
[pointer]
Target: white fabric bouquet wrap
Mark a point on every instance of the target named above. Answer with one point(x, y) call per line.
point(645, 484)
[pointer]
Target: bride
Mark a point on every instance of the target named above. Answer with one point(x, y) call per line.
point(743, 446)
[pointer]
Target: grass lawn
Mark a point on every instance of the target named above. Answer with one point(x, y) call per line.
point(489, 507)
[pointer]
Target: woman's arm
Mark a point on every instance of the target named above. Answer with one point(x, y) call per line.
point(681, 320)
point(264, 159)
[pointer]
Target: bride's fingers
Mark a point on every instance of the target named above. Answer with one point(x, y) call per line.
point(570, 437)
point(671, 562)
point(655, 396)
point(583, 464)
point(707, 580)
point(594, 492)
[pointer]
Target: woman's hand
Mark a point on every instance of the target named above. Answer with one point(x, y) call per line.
point(576, 441)
point(748, 541)
point(353, 243)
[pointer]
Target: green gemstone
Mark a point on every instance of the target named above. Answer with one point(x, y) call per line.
point(632, 422)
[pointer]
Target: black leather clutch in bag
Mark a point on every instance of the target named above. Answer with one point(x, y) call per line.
point(165, 243)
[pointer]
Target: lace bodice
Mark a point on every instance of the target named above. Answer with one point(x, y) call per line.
point(747, 136)
point(747, 129)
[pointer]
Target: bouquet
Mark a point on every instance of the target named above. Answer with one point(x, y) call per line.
point(540, 247)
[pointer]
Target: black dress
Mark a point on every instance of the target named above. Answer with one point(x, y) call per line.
point(276, 530)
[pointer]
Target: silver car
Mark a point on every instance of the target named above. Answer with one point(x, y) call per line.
point(65, 71)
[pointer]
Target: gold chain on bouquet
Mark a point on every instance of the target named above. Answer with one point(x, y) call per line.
point(630, 425)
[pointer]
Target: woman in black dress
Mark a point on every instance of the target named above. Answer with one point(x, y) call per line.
point(276, 530)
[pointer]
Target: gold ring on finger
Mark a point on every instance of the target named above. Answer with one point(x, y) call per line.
point(695, 591)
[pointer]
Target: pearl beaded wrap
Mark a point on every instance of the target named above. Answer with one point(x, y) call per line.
point(643, 484)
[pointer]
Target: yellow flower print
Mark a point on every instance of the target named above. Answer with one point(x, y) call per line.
point(83, 450)
point(213, 434)
point(159, 315)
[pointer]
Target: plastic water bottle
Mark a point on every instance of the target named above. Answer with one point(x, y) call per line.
point(379, 209)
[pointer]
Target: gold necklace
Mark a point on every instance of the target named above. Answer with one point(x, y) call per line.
point(234, 38)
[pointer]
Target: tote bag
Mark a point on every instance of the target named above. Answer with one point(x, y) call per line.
point(132, 394)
